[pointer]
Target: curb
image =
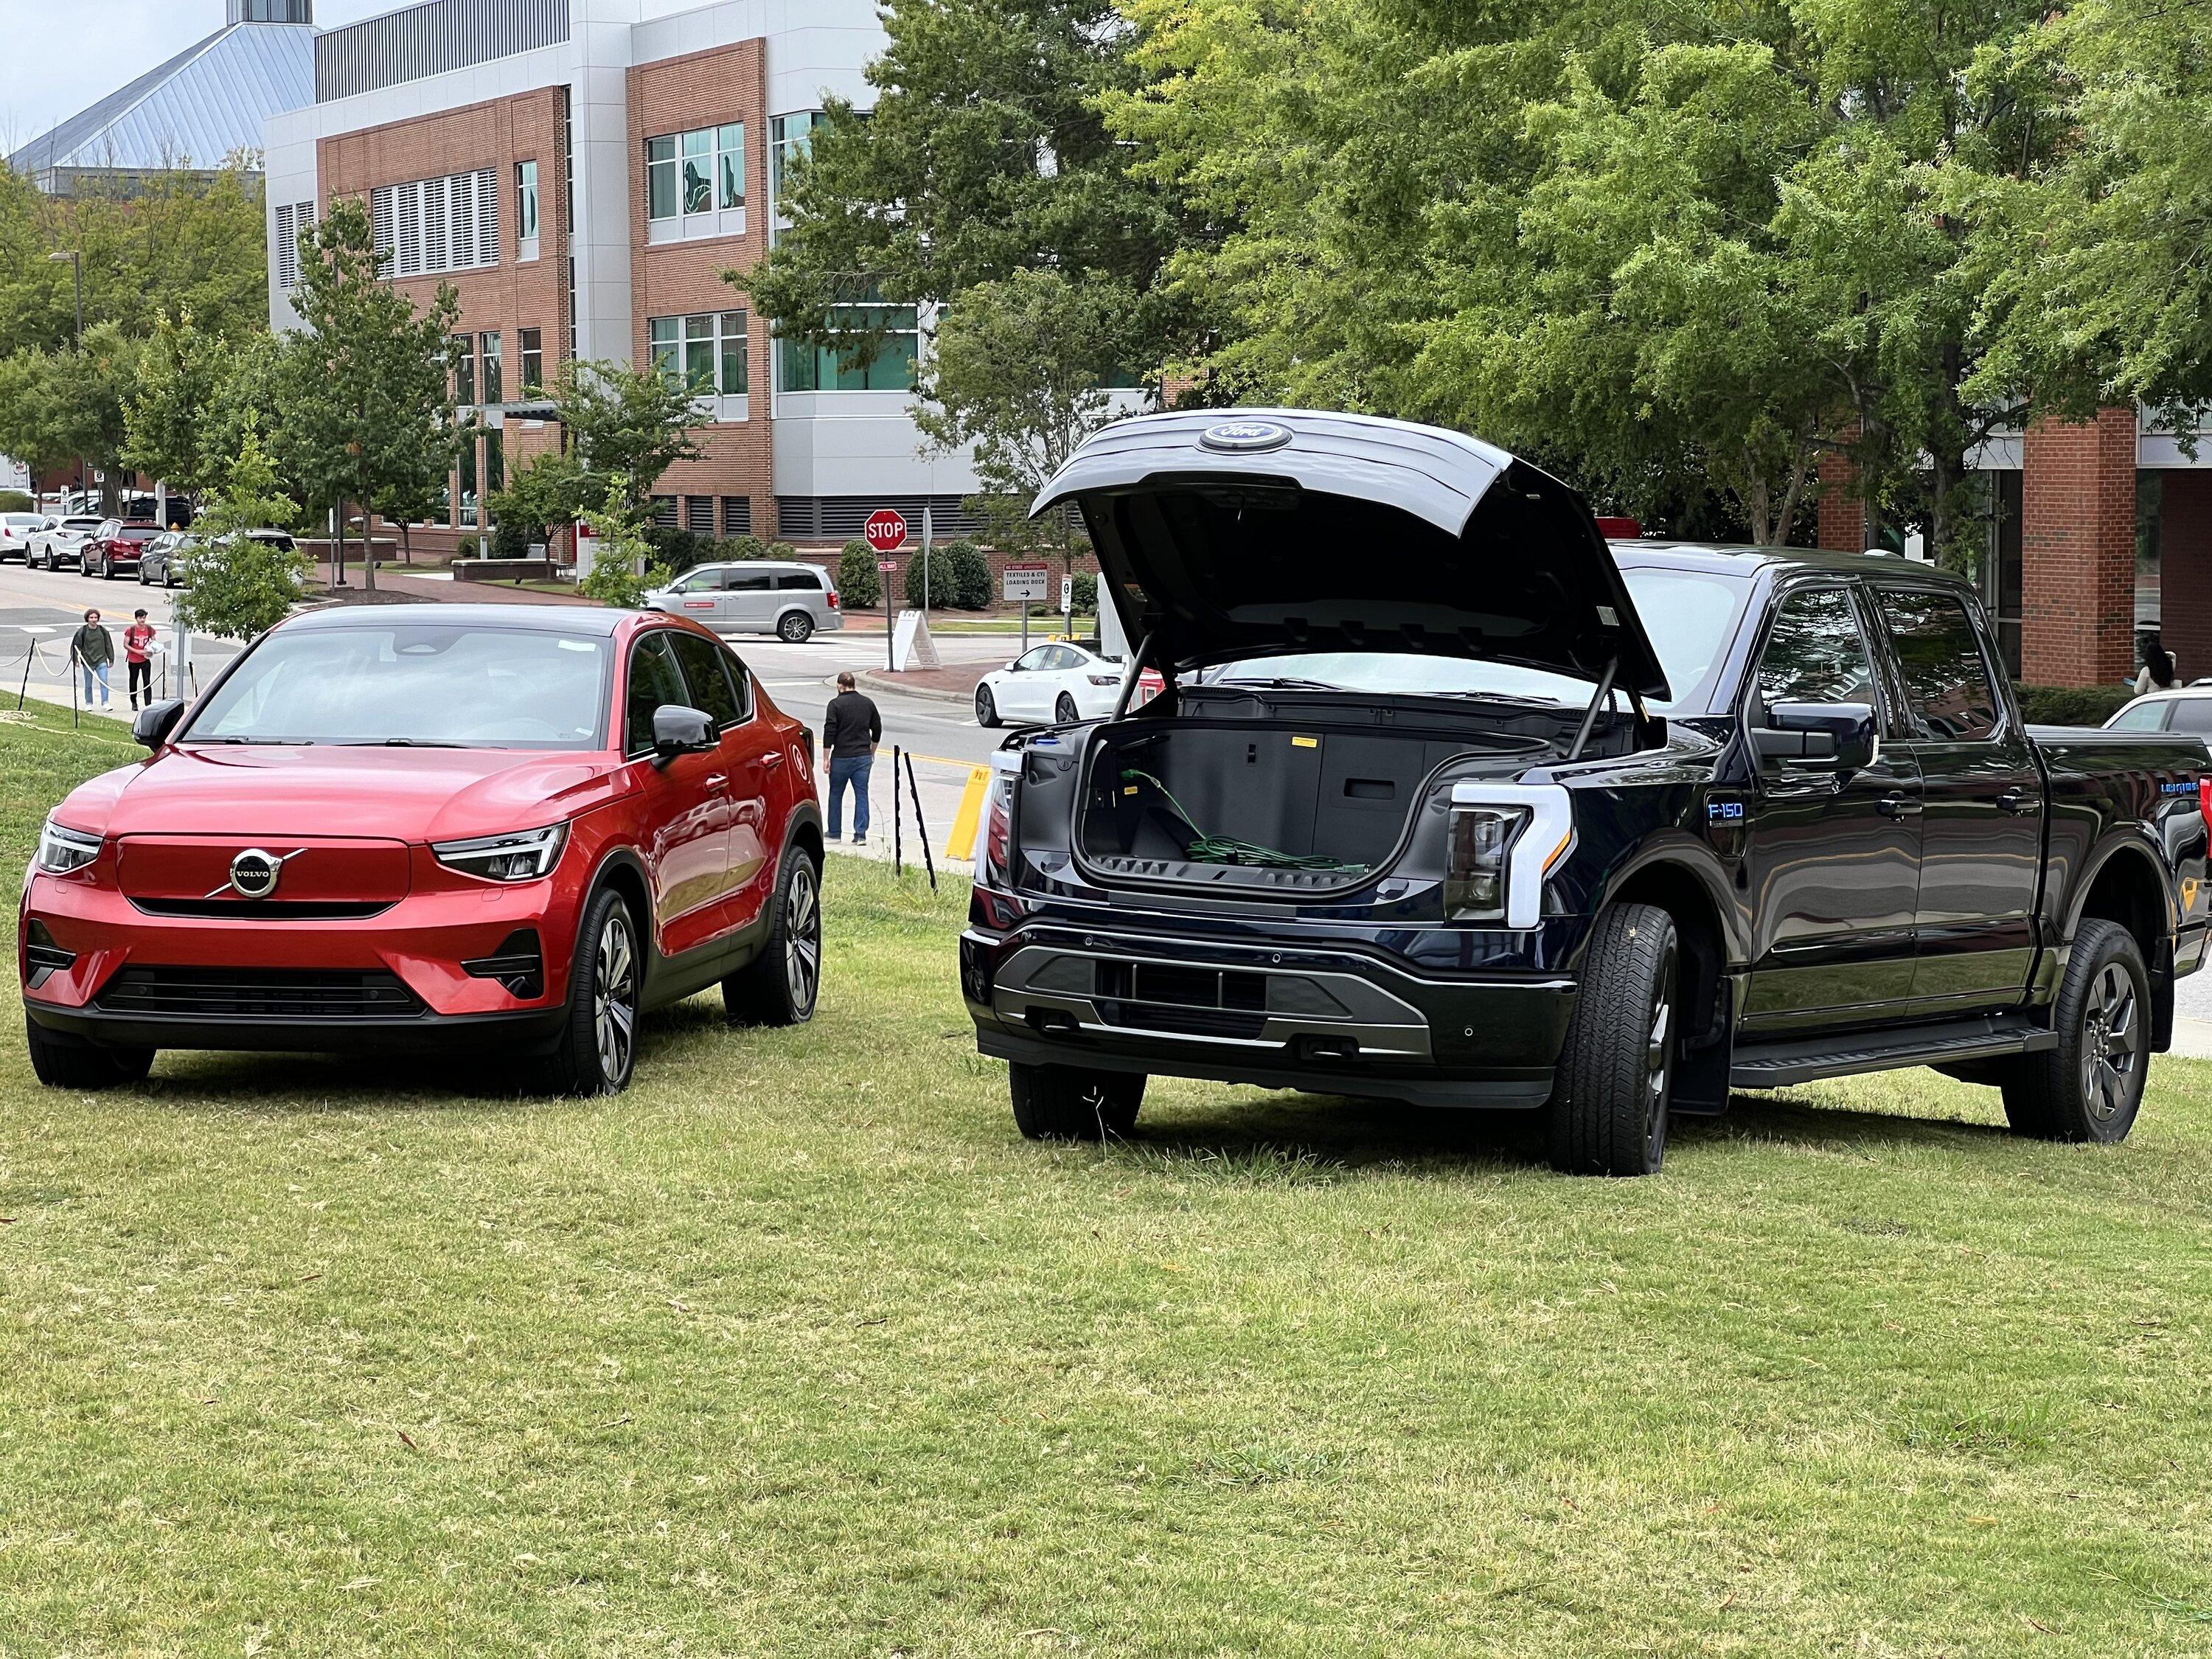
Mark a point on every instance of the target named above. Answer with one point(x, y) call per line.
point(879, 679)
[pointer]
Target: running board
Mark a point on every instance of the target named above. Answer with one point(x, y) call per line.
point(1807, 1059)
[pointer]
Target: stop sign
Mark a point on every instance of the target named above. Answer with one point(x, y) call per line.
point(886, 530)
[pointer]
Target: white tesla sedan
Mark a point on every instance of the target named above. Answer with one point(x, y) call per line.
point(1057, 683)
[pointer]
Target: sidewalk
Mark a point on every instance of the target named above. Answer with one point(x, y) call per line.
point(955, 683)
point(423, 588)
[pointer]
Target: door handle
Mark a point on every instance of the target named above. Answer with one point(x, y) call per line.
point(2019, 802)
point(773, 759)
point(718, 781)
point(1898, 806)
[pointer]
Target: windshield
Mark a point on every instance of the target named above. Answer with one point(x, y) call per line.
point(434, 684)
point(1689, 615)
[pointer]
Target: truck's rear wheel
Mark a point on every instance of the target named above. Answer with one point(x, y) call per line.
point(1065, 1102)
point(1608, 1108)
point(2091, 1086)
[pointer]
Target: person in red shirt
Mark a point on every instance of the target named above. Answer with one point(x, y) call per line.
point(138, 656)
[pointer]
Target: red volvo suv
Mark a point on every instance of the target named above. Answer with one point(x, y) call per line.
point(496, 827)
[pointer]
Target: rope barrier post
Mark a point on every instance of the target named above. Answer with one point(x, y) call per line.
point(73, 671)
point(920, 829)
point(24, 690)
point(898, 854)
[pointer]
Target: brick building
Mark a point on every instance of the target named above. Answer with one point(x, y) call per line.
point(2099, 539)
point(583, 172)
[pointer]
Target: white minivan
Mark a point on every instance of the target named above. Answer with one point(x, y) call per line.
point(755, 596)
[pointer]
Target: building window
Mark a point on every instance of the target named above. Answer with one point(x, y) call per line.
point(737, 516)
point(531, 343)
point(833, 366)
point(468, 491)
point(664, 511)
point(433, 225)
point(465, 368)
point(699, 515)
point(494, 375)
point(789, 136)
point(494, 473)
point(292, 218)
point(526, 210)
point(695, 183)
point(705, 353)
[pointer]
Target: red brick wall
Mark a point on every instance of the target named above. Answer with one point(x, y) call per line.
point(510, 296)
point(1842, 514)
point(2077, 540)
point(677, 94)
point(2185, 570)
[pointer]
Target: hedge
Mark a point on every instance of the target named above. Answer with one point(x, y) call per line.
point(857, 586)
point(2071, 705)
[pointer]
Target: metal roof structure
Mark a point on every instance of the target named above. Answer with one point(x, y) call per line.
point(191, 114)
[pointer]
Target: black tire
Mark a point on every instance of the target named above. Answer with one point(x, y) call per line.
point(1064, 1103)
point(1616, 1076)
point(782, 986)
point(1065, 711)
point(2090, 1087)
point(987, 709)
point(597, 1053)
point(67, 1062)
point(796, 628)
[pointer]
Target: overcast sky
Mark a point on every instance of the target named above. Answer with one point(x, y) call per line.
point(65, 54)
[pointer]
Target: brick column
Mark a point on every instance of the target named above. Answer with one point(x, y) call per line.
point(1842, 514)
point(2078, 551)
point(2185, 569)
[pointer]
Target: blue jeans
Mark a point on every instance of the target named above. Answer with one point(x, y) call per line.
point(93, 670)
point(854, 772)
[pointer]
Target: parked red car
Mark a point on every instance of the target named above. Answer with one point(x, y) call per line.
point(494, 827)
point(115, 546)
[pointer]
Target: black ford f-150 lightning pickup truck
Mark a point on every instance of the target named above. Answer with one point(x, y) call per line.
point(1447, 801)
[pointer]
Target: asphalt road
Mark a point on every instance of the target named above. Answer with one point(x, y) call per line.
point(40, 609)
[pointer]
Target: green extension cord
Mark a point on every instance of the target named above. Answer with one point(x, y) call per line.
point(1225, 850)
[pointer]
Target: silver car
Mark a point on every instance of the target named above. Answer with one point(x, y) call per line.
point(792, 601)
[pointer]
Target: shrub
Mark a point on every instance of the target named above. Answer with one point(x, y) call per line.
point(738, 548)
point(510, 539)
point(675, 550)
point(2071, 705)
point(971, 574)
point(944, 586)
point(14, 501)
point(1086, 594)
point(856, 577)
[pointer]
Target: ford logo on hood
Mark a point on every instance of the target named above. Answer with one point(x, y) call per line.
point(1245, 437)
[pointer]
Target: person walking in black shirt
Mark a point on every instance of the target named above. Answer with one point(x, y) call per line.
point(851, 729)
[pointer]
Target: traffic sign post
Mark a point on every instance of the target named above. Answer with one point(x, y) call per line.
point(885, 531)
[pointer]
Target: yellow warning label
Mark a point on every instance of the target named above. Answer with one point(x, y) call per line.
point(1131, 790)
point(1305, 742)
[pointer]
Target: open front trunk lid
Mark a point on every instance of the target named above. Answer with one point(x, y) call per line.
point(1230, 534)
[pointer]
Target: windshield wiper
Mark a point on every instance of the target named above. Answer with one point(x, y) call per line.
point(1285, 683)
point(1513, 697)
point(282, 743)
point(403, 743)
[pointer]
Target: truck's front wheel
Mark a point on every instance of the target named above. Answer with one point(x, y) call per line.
point(1608, 1108)
point(2091, 1085)
point(1065, 1102)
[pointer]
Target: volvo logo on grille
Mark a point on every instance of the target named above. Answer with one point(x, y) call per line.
point(1245, 437)
point(253, 874)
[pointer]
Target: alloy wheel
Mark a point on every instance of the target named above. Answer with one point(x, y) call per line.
point(614, 999)
point(2111, 1043)
point(1659, 1063)
point(802, 940)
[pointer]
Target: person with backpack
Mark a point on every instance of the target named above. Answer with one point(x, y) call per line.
point(92, 648)
point(138, 658)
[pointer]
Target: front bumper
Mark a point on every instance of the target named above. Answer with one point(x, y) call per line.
point(1330, 1020)
point(412, 975)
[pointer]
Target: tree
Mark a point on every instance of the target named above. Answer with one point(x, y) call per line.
point(167, 413)
point(623, 570)
point(368, 381)
point(58, 407)
point(625, 426)
point(1021, 372)
point(238, 586)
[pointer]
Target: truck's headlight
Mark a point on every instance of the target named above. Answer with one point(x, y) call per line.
point(521, 855)
point(1475, 879)
point(62, 849)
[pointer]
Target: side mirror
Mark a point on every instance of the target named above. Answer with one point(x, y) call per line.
point(680, 731)
point(1833, 736)
point(157, 721)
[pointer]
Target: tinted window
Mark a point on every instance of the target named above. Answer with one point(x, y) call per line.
point(799, 582)
point(707, 671)
point(439, 683)
point(1947, 683)
point(1816, 653)
point(2192, 715)
point(750, 581)
point(653, 680)
point(2143, 717)
point(1039, 657)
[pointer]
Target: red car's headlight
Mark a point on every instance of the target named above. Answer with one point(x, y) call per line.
point(62, 849)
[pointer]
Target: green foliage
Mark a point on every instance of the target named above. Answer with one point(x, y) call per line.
point(971, 574)
point(2071, 705)
point(675, 550)
point(860, 586)
point(172, 411)
point(622, 568)
point(944, 584)
point(1086, 594)
point(367, 385)
point(14, 501)
point(57, 406)
point(621, 424)
point(548, 496)
point(237, 587)
point(510, 539)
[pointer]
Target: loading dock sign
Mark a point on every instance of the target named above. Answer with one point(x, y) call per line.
point(1028, 584)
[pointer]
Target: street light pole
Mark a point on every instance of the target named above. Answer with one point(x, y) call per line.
point(75, 257)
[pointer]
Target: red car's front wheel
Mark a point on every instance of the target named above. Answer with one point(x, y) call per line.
point(597, 1051)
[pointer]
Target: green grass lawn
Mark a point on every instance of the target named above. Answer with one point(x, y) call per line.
point(797, 1349)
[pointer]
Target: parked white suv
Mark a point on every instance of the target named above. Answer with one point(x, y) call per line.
point(755, 596)
point(62, 542)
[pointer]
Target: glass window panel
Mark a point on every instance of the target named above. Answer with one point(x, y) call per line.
point(464, 371)
point(699, 365)
point(654, 683)
point(494, 376)
point(667, 349)
point(698, 154)
point(494, 461)
point(532, 341)
point(526, 200)
point(1816, 654)
point(706, 672)
point(730, 145)
point(660, 178)
point(733, 353)
point(1945, 679)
